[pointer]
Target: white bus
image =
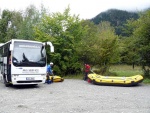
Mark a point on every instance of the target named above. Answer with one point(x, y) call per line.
point(23, 62)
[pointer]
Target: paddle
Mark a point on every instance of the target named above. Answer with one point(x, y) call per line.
point(92, 71)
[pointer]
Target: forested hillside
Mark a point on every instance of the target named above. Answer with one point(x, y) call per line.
point(116, 17)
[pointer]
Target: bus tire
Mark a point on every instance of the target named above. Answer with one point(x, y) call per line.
point(5, 82)
point(7, 85)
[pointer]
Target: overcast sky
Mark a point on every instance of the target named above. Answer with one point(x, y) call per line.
point(86, 9)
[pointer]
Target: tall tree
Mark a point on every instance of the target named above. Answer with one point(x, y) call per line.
point(5, 23)
point(142, 35)
point(107, 46)
point(100, 45)
point(64, 31)
point(85, 47)
point(129, 52)
point(31, 17)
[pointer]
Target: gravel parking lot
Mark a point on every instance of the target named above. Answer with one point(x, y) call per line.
point(74, 96)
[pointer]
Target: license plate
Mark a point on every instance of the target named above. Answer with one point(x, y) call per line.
point(29, 78)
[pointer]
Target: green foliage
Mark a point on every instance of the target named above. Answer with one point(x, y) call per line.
point(31, 17)
point(128, 27)
point(107, 47)
point(85, 46)
point(100, 47)
point(18, 25)
point(64, 31)
point(142, 35)
point(129, 52)
point(5, 24)
point(137, 46)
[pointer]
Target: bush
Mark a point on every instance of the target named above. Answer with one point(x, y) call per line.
point(146, 73)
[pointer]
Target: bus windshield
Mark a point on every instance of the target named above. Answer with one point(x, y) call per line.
point(28, 54)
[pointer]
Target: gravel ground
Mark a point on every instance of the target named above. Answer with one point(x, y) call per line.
point(74, 96)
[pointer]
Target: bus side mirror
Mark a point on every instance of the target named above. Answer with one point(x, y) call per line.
point(11, 47)
point(51, 46)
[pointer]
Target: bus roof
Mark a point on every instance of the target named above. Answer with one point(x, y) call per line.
point(21, 40)
point(1, 44)
point(26, 40)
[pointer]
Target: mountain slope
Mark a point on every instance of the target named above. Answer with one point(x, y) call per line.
point(116, 17)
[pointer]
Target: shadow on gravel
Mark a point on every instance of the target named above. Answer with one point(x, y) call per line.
point(24, 86)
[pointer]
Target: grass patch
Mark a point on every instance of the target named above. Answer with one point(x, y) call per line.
point(78, 76)
point(126, 73)
point(125, 70)
point(146, 81)
point(125, 67)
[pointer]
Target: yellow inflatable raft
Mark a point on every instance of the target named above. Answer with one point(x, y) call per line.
point(56, 78)
point(110, 80)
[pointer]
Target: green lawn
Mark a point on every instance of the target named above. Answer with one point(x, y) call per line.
point(79, 76)
point(125, 70)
